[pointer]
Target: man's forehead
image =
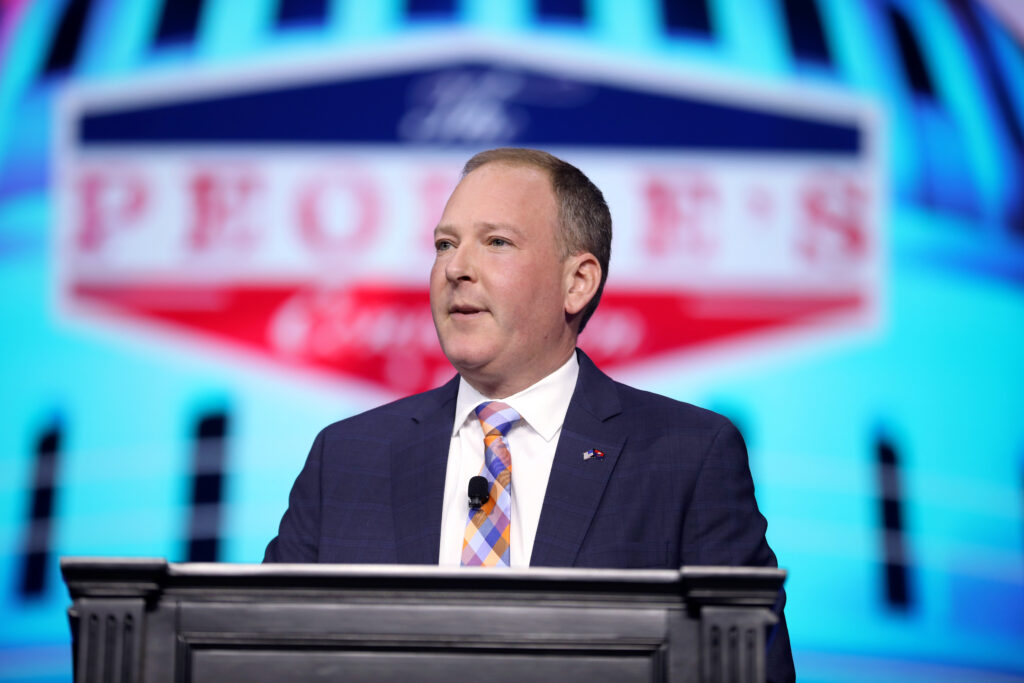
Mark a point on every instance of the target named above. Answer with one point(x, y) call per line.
point(502, 172)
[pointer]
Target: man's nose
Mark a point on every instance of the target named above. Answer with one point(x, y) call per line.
point(461, 265)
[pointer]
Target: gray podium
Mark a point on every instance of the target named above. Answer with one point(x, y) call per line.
point(154, 621)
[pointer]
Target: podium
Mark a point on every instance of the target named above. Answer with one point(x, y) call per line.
point(154, 621)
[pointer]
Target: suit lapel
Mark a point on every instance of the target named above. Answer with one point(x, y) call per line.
point(419, 461)
point(576, 485)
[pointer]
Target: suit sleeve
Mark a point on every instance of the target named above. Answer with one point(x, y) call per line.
point(723, 526)
point(298, 536)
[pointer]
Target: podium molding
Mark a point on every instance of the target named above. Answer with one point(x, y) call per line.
point(154, 621)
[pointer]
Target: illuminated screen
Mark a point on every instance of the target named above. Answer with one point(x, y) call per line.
point(215, 235)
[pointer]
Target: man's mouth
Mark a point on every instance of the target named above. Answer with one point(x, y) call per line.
point(465, 310)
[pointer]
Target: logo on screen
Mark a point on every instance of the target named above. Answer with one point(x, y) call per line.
point(288, 212)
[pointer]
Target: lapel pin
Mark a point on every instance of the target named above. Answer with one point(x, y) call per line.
point(593, 453)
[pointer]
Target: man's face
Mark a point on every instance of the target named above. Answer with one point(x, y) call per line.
point(498, 287)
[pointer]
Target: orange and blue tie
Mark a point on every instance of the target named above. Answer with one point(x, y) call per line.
point(488, 538)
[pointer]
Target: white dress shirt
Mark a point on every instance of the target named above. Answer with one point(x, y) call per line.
point(531, 441)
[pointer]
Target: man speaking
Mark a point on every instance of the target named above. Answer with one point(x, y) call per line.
point(578, 470)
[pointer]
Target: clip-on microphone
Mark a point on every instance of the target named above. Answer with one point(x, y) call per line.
point(478, 492)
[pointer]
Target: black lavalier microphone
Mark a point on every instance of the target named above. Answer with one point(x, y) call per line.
point(478, 494)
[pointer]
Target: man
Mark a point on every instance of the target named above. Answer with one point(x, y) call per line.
point(604, 475)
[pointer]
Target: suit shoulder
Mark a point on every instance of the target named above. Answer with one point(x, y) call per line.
point(659, 424)
point(662, 409)
point(640, 409)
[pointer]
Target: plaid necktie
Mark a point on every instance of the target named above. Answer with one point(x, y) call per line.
point(487, 538)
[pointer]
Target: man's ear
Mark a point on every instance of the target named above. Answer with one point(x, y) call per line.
point(582, 278)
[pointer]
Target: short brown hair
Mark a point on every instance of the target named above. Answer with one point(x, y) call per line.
point(585, 224)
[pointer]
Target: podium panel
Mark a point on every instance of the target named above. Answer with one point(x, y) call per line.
point(154, 621)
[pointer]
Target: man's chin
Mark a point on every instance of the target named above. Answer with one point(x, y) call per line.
point(468, 364)
point(470, 359)
point(467, 354)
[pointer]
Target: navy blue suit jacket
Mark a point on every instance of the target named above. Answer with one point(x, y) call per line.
point(674, 488)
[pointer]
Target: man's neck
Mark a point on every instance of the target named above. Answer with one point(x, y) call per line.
point(502, 387)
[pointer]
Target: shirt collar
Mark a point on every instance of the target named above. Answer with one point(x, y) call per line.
point(542, 405)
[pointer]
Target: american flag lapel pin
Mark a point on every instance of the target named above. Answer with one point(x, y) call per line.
point(593, 453)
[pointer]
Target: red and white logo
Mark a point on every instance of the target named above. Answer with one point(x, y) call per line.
point(318, 255)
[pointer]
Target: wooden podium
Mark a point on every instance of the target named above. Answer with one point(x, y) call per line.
point(154, 621)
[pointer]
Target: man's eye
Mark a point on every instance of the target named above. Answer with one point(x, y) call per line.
point(442, 245)
point(498, 242)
